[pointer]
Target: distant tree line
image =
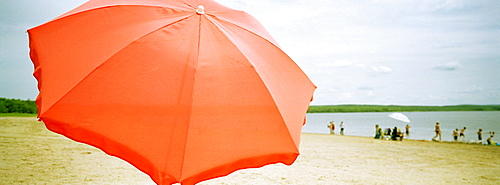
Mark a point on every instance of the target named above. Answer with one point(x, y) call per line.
point(29, 107)
point(17, 106)
point(399, 108)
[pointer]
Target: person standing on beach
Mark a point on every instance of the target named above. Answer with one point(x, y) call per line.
point(407, 129)
point(455, 135)
point(438, 132)
point(341, 128)
point(480, 135)
point(331, 126)
point(490, 140)
point(395, 134)
point(378, 132)
point(462, 134)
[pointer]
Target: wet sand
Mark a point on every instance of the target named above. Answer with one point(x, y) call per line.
point(30, 154)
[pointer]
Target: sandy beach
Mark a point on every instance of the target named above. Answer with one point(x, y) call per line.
point(30, 154)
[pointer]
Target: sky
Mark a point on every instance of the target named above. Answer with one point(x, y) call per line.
point(411, 52)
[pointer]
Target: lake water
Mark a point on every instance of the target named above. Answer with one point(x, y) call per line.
point(422, 123)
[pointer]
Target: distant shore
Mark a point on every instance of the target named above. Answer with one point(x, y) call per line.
point(27, 108)
point(398, 108)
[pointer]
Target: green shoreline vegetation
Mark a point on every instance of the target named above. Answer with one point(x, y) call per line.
point(17, 107)
point(3, 115)
point(27, 108)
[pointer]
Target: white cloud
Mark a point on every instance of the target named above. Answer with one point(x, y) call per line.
point(370, 93)
point(472, 90)
point(365, 88)
point(341, 63)
point(450, 66)
point(344, 96)
point(381, 69)
point(361, 65)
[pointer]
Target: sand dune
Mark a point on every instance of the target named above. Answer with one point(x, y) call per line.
point(30, 154)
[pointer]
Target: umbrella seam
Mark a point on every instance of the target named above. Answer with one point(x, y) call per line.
point(267, 87)
point(111, 56)
point(192, 95)
point(187, 4)
point(278, 77)
point(259, 37)
point(248, 30)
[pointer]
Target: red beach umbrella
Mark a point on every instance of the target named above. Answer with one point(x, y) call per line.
point(183, 90)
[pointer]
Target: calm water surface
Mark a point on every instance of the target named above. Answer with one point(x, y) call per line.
point(422, 123)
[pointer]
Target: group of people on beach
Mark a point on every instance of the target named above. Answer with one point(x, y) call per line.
point(459, 136)
point(397, 135)
point(394, 134)
point(331, 127)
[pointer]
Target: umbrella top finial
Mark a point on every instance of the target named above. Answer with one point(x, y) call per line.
point(200, 10)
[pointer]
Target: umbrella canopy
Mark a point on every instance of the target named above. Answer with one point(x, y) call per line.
point(400, 117)
point(183, 92)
